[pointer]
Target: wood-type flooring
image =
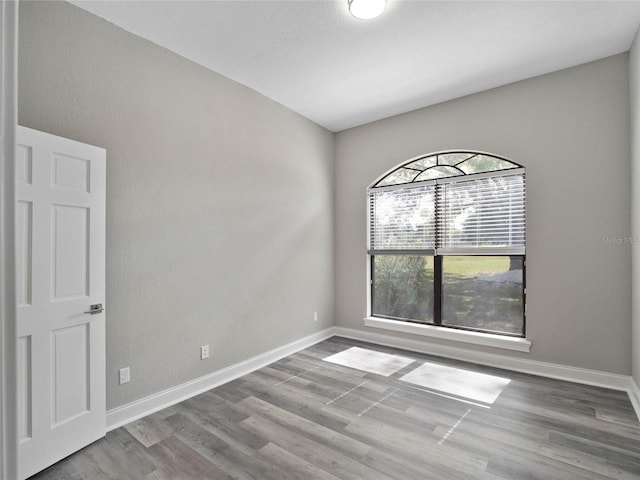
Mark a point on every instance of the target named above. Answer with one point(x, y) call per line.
point(302, 418)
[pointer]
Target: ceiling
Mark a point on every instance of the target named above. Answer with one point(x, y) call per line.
point(313, 57)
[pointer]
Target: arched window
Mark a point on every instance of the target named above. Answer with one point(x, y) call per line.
point(447, 243)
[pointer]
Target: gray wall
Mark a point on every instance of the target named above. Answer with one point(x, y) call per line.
point(571, 131)
point(219, 200)
point(634, 90)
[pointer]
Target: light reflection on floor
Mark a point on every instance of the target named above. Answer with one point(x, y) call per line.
point(451, 382)
point(370, 361)
point(475, 386)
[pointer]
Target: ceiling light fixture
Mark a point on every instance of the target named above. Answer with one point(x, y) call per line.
point(366, 9)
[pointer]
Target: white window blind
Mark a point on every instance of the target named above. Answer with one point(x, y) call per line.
point(486, 213)
point(481, 215)
point(403, 219)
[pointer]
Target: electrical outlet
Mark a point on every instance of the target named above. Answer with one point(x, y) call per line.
point(204, 352)
point(315, 316)
point(124, 375)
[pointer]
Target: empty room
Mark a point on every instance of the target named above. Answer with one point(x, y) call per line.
point(320, 239)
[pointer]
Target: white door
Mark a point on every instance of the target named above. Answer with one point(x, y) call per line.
point(61, 274)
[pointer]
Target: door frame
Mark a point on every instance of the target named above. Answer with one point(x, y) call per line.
point(8, 123)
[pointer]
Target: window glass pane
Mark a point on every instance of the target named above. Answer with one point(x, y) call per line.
point(484, 163)
point(402, 175)
point(403, 287)
point(453, 158)
point(441, 171)
point(483, 292)
point(423, 163)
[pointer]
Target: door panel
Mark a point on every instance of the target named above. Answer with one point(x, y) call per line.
point(23, 164)
point(24, 229)
point(69, 249)
point(60, 231)
point(70, 173)
point(69, 372)
point(24, 390)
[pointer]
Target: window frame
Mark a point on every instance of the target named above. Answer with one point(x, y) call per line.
point(438, 254)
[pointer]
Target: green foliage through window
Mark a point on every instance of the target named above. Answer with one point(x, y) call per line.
point(403, 287)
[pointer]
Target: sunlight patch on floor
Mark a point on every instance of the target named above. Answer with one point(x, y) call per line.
point(370, 361)
point(456, 381)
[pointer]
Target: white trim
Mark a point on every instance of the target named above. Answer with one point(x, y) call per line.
point(634, 396)
point(8, 122)
point(477, 338)
point(119, 416)
point(561, 372)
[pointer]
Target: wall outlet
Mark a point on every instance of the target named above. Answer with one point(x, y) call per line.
point(315, 316)
point(124, 375)
point(204, 352)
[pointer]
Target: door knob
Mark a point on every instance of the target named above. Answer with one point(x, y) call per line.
point(96, 308)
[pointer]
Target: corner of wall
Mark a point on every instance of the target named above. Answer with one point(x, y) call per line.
point(634, 101)
point(634, 396)
point(334, 199)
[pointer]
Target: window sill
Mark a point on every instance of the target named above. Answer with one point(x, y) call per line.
point(477, 338)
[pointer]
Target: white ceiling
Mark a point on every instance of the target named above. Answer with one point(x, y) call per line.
point(316, 59)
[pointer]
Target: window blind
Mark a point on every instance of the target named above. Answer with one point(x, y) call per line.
point(403, 219)
point(485, 214)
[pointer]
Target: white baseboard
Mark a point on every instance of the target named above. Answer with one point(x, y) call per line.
point(453, 334)
point(543, 369)
point(145, 406)
point(634, 396)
